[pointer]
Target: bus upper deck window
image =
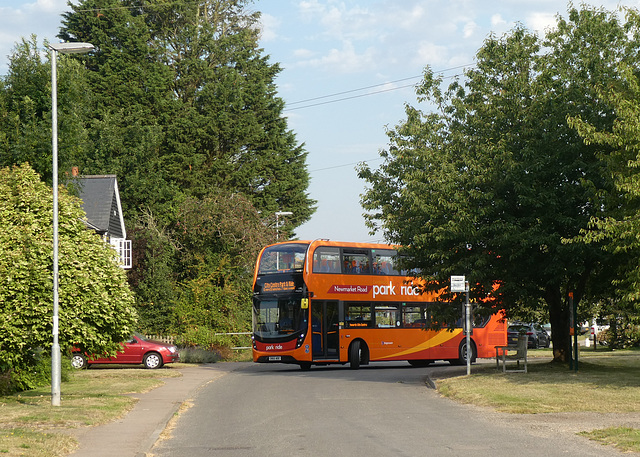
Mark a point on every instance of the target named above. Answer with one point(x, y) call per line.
point(326, 260)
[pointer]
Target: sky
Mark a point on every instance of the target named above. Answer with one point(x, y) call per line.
point(348, 69)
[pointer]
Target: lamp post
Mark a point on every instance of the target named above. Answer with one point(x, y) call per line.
point(278, 214)
point(65, 48)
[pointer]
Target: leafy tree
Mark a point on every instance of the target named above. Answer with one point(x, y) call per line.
point(96, 305)
point(619, 229)
point(179, 102)
point(494, 183)
point(193, 278)
point(191, 78)
point(153, 277)
point(220, 237)
point(25, 110)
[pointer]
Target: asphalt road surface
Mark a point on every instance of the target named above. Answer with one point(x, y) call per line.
point(384, 409)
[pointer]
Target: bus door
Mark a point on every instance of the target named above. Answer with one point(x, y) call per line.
point(324, 326)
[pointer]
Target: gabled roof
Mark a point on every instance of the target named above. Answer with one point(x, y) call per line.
point(101, 201)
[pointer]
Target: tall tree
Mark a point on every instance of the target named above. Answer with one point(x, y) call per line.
point(25, 110)
point(219, 238)
point(618, 229)
point(190, 77)
point(494, 183)
point(180, 103)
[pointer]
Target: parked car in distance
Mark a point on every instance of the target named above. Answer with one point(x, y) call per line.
point(137, 350)
point(536, 335)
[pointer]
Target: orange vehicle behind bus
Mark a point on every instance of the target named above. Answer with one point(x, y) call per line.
point(326, 302)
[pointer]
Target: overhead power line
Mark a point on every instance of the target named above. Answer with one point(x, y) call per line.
point(353, 90)
point(347, 98)
point(308, 103)
point(346, 165)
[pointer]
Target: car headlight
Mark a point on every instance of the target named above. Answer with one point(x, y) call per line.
point(173, 349)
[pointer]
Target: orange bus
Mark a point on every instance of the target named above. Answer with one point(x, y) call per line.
point(322, 302)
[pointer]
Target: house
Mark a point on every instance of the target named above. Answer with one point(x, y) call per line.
point(101, 203)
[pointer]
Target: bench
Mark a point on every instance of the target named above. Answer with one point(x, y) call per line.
point(503, 354)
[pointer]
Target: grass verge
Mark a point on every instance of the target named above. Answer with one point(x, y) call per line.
point(606, 382)
point(28, 422)
point(622, 438)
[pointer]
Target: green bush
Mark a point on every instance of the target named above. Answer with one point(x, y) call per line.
point(199, 355)
point(203, 337)
point(36, 372)
point(95, 303)
point(621, 335)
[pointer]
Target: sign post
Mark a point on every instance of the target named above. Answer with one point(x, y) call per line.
point(459, 284)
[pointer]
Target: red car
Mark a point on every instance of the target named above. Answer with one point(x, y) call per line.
point(138, 350)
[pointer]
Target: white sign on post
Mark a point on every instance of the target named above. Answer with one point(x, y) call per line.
point(458, 284)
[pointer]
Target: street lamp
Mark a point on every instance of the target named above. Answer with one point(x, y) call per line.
point(278, 214)
point(65, 48)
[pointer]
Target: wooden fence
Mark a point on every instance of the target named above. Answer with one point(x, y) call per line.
point(172, 339)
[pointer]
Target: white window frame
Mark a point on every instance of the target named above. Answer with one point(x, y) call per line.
point(123, 247)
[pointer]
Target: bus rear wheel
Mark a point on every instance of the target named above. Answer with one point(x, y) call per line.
point(354, 355)
point(462, 353)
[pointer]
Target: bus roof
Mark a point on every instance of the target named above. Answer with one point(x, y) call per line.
point(326, 242)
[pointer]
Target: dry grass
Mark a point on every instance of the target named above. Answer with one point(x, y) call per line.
point(623, 438)
point(91, 397)
point(607, 383)
point(23, 442)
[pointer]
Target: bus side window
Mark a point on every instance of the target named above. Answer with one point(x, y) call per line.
point(358, 315)
point(326, 260)
point(387, 316)
point(384, 261)
point(413, 317)
point(356, 262)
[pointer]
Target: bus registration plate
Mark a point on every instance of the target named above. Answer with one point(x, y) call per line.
point(275, 358)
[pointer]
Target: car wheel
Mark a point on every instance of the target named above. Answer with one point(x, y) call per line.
point(152, 360)
point(78, 361)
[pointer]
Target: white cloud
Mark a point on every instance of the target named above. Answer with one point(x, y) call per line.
point(303, 53)
point(345, 60)
point(469, 29)
point(540, 22)
point(21, 20)
point(349, 23)
point(269, 27)
point(497, 22)
point(409, 18)
point(48, 6)
point(311, 9)
point(363, 36)
point(429, 53)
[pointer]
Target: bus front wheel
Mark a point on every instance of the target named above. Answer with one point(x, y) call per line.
point(354, 355)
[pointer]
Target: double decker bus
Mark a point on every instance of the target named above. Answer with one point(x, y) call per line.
point(323, 302)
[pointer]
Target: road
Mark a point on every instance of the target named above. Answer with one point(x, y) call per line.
point(379, 410)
